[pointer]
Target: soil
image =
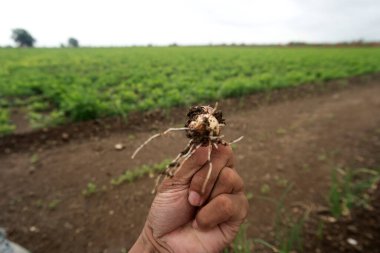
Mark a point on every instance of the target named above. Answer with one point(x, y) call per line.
point(363, 226)
point(292, 137)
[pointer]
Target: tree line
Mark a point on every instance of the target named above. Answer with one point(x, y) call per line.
point(24, 39)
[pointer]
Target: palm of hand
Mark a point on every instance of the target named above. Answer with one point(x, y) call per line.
point(171, 226)
point(171, 218)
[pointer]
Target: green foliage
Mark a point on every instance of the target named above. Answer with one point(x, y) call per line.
point(241, 244)
point(87, 83)
point(292, 238)
point(53, 118)
point(90, 189)
point(72, 42)
point(349, 188)
point(131, 175)
point(5, 124)
point(34, 159)
point(52, 205)
point(288, 230)
point(23, 38)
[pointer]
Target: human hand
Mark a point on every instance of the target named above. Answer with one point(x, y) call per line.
point(183, 219)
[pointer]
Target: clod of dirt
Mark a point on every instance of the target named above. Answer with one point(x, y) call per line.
point(31, 169)
point(65, 136)
point(352, 241)
point(119, 146)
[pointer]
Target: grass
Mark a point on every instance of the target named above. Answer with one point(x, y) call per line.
point(288, 230)
point(34, 159)
point(349, 188)
point(66, 85)
point(241, 244)
point(53, 204)
point(50, 205)
point(90, 189)
point(131, 175)
point(6, 126)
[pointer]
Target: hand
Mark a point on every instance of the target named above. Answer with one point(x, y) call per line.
point(182, 219)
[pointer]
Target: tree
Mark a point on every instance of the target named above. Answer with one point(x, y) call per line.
point(73, 42)
point(23, 38)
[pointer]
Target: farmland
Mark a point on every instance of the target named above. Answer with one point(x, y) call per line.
point(56, 86)
point(309, 158)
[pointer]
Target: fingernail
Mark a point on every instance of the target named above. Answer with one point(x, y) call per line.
point(194, 198)
point(195, 224)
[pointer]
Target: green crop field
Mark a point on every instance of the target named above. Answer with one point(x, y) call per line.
point(54, 86)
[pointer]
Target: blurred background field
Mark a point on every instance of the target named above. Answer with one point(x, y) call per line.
point(56, 86)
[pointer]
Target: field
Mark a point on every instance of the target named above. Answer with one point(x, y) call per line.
point(309, 159)
point(56, 86)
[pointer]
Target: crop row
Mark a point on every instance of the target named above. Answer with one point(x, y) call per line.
point(53, 86)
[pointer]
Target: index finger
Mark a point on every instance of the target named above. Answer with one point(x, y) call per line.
point(196, 160)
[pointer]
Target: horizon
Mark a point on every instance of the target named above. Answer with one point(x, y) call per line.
point(288, 44)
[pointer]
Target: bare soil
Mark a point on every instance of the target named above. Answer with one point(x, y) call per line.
point(293, 136)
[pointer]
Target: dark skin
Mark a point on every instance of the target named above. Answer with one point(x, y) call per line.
point(183, 219)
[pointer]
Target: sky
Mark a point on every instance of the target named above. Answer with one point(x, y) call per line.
point(190, 22)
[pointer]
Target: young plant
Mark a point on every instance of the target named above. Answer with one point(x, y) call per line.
point(203, 128)
point(241, 244)
point(90, 189)
point(132, 175)
point(348, 189)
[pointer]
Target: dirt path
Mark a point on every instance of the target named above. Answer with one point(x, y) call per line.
point(298, 141)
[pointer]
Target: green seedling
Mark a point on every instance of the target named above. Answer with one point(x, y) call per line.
point(130, 176)
point(52, 205)
point(34, 159)
point(349, 188)
point(90, 189)
point(265, 189)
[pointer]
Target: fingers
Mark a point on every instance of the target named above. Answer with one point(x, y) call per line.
point(190, 166)
point(220, 158)
point(228, 181)
point(221, 209)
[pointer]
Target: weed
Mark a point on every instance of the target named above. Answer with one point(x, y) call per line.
point(322, 157)
point(266, 244)
point(6, 126)
point(292, 238)
point(38, 120)
point(39, 203)
point(282, 182)
point(131, 137)
point(279, 207)
point(52, 205)
point(265, 189)
point(34, 159)
point(132, 175)
point(281, 131)
point(349, 188)
point(320, 229)
point(249, 195)
point(241, 244)
point(90, 189)
point(233, 146)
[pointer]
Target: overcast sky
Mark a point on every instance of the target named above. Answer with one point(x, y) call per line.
point(160, 22)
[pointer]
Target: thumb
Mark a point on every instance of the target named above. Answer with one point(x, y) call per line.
point(191, 164)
